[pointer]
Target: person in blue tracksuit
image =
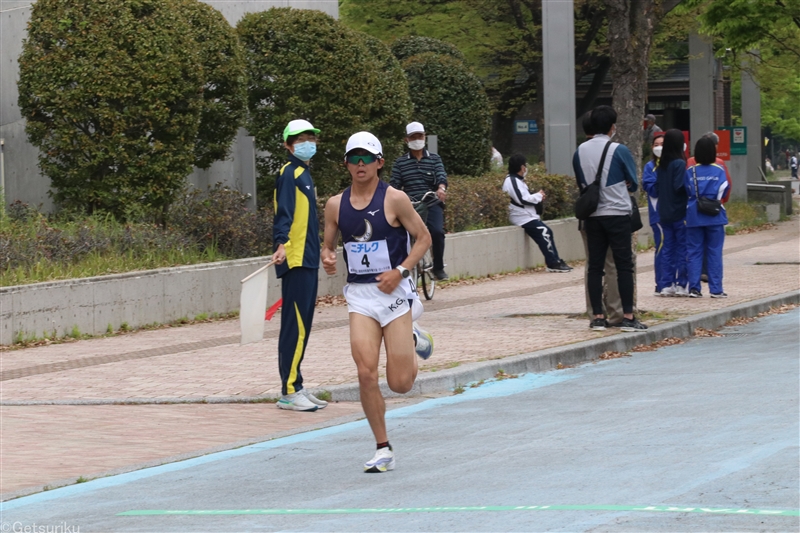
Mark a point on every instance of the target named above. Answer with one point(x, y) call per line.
point(704, 233)
point(671, 214)
point(295, 236)
point(649, 185)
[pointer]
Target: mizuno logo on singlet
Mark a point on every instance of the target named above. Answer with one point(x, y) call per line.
point(372, 213)
point(308, 186)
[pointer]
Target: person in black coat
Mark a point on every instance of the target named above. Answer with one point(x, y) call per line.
point(672, 200)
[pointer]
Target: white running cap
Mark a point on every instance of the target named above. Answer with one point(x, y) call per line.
point(365, 140)
point(414, 127)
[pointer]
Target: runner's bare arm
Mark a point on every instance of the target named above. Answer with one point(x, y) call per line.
point(331, 234)
point(398, 206)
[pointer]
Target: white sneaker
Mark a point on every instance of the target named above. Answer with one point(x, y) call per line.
point(382, 461)
point(296, 402)
point(668, 291)
point(423, 342)
point(322, 404)
point(681, 292)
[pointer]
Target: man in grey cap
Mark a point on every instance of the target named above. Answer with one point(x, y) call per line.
point(650, 129)
point(416, 173)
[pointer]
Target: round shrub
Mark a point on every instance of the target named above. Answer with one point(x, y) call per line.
point(413, 45)
point(112, 94)
point(561, 190)
point(450, 101)
point(476, 203)
point(305, 64)
point(225, 87)
point(392, 106)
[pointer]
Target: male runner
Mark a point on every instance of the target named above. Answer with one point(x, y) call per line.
point(375, 221)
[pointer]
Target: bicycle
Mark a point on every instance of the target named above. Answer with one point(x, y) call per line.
point(423, 271)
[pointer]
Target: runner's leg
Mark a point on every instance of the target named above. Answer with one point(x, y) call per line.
point(401, 359)
point(365, 345)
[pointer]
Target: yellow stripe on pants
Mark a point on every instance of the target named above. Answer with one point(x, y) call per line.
point(298, 351)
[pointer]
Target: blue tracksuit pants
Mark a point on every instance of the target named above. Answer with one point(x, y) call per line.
point(299, 293)
point(706, 240)
point(670, 255)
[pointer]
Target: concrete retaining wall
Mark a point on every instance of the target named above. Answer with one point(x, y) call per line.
point(168, 294)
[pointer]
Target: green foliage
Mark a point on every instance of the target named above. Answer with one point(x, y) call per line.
point(203, 226)
point(225, 88)
point(480, 203)
point(305, 64)
point(450, 101)
point(393, 107)
point(476, 203)
point(413, 45)
point(112, 94)
point(561, 191)
point(218, 218)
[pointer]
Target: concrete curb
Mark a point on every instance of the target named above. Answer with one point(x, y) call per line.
point(446, 380)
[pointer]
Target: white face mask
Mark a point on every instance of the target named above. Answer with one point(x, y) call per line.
point(657, 151)
point(525, 172)
point(684, 147)
point(417, 145)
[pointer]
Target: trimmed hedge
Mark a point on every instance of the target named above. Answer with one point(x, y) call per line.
point(450, 101)
point(112, 94)
point(480, 203)
point(306, 64)
point(225, 88)
point(413, 45)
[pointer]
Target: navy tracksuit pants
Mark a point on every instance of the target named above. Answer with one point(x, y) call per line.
point(706, 240)
point(299, 293)
point(543, 237)
point(670, 260)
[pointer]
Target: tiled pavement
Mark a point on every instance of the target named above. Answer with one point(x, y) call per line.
point(470, 321)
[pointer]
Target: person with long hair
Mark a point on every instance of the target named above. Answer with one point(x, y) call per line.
point(705, 234)
point(671, 209)
point(649, 185)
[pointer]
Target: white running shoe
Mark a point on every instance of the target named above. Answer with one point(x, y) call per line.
point(681, 292)
point(382, 461)
point(668, 291)
point(296, 402)
point(322, 404)
point(423, 342)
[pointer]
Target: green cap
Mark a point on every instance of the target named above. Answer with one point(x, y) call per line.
point(296, 127)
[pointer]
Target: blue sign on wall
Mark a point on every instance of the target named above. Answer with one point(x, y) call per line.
point(526, 126)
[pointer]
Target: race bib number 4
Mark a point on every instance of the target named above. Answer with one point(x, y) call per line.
point(367, 257)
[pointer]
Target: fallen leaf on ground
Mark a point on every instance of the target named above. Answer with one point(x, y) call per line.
point(613, 355)
point(671, 341)
point(703, 332)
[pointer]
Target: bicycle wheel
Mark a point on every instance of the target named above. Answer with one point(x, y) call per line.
point(426, 278)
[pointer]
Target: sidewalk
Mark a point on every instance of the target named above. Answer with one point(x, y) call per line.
point(48, 442)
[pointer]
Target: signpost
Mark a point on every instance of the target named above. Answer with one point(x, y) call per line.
point(526, 126)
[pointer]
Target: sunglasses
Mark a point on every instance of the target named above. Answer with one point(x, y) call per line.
point(366, 159)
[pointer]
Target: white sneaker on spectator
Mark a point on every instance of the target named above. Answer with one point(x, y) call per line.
point(296, 402)
point(681, 292)
point(313, 399)
point(668, 291)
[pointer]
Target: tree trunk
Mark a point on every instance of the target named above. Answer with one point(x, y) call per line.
point(631, 24)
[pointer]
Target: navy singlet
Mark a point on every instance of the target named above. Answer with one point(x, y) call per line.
point(369, 225)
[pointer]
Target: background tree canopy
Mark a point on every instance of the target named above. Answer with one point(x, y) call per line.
point(305, 64)
point(449, 100)
point(112, 94)
point(224, 90)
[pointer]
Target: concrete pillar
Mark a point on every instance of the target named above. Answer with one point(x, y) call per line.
point(751, 118)
point(737, 167)
point(701, 87)
point(558, 52)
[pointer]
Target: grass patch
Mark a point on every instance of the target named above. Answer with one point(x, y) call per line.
point(744, 216)
point(459, 390)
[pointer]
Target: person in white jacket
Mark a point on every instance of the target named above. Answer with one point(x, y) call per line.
point(524, 211)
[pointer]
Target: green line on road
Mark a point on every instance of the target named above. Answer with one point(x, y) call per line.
point(651, 508)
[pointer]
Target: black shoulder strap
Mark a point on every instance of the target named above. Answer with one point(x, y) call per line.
point(602, 162)
point(521, 202)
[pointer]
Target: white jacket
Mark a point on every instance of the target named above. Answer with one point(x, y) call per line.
point(523, 204)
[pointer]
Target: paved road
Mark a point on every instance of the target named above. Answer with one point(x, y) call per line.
point(700, 431)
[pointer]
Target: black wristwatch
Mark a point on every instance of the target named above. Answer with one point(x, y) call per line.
point(403, 271)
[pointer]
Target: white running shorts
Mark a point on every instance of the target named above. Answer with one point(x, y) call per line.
point(365, 299)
